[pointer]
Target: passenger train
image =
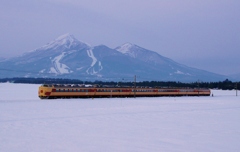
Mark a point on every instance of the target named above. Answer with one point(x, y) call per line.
point(82, 91)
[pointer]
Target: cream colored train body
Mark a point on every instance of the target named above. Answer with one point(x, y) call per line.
point(77, 91)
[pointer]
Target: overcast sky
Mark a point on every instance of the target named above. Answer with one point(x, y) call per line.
point(204, 34)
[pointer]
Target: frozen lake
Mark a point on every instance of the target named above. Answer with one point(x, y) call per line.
point(203, 124)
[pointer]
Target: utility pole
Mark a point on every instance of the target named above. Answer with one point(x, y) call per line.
point(135, 86)
point(198, 87)
point(236, 89)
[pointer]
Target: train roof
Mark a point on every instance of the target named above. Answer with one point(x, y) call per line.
point(108, 86)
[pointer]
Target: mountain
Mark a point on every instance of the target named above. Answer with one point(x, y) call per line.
point(235, 77)
point(1, 59)
point(67, 57)
point(166, 68)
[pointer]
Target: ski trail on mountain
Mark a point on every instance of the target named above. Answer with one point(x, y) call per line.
point(100, 65)
point(94, 61)
point(91, 55)
point(59, 67)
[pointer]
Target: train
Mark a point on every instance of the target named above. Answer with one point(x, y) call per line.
point(52, 91)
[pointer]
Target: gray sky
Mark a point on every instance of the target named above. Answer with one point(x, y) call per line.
point(204, 34)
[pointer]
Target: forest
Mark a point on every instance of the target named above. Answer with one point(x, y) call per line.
point(224, 85)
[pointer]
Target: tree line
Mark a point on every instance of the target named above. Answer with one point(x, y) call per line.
point(224, 85)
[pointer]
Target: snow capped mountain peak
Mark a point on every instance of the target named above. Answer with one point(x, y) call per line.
point(67, 57)
point(128, 45)
point(67, 41)
point(131, 50)
point(66, 36)
point(125, 48)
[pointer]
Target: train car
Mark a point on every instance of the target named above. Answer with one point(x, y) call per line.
point(81, 91)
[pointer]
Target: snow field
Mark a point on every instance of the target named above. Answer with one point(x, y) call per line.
point(117, 124)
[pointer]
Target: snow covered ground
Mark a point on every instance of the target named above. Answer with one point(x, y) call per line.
point(178, 124)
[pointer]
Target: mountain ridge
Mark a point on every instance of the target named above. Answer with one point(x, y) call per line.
point(68, 57)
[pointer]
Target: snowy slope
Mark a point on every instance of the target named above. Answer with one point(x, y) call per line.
point(118, 124)
point(235, 76)
point(165, 67)
point(67, 57)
